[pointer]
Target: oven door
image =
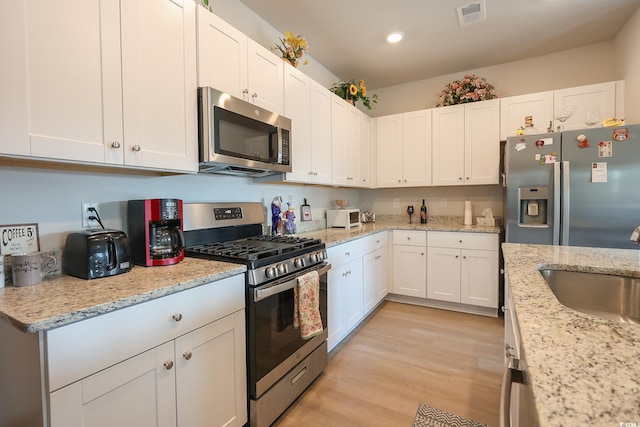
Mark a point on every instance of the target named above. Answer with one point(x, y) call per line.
point(274, 345)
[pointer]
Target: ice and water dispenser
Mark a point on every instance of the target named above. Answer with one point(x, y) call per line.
point(533, 205)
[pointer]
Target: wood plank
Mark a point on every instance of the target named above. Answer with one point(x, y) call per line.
point(403, 355)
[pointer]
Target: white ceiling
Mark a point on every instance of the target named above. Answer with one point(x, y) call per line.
point(348, 37)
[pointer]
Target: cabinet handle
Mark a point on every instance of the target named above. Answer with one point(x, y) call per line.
point(115, 144)
point(459, 178)
point(467, 178)
point(459, 241)
point(254, 96)
point(135, 148)
point(377, 241)
point(464, 257)
point(399, 181)
point(457, 257)
point(422, 253)
point(187, 355)
point(177, 317)
point(347, 253)
point(315, 173)
point(168, 365)
point(246, 91)
point(408, 238)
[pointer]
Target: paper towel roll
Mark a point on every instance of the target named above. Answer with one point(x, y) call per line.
point(468, 218)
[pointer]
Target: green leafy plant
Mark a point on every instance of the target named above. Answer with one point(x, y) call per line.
point(352, 91)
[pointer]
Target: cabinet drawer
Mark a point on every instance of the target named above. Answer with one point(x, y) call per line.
point(447, 239)
point(344, 253)
point(375, 242)
point(409, 238)
point(80, 349)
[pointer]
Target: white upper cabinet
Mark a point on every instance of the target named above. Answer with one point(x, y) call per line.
point(466, 144)
point(404, 149)
point(514, 109)
point(231, 62)
point(104, 84)
point(308, 105)
point(345, 152)
point(599, 97)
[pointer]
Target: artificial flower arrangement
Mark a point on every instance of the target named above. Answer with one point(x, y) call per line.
point(293, 48)
point(470, 88)
point(353, 92)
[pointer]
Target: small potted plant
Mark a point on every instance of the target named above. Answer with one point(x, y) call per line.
point(352, 92)
point(292, 48)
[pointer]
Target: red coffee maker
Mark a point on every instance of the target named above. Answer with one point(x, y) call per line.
point(155, 231)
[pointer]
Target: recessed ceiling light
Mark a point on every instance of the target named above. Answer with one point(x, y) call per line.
point(395, 37)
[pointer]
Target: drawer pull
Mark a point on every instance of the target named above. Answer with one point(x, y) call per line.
point(168, 365)
point(115, 144)
point(187, 355)
point(135, 148)
point(177, 317)
point(347, 254)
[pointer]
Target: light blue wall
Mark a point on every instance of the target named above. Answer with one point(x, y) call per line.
point(52, 197)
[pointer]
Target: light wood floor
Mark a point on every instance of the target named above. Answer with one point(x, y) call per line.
point(401, 356)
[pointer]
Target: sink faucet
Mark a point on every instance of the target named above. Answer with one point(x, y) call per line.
point(635, 236)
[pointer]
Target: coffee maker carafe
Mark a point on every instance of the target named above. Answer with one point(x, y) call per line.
point(155, 231)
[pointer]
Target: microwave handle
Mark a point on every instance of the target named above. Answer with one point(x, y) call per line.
point(279, 160)
point(269, 290)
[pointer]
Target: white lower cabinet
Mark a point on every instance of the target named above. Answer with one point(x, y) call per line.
point(175, 360)
point(357, 283)
point(410, 263)
point(463, 268)
point(375, 278)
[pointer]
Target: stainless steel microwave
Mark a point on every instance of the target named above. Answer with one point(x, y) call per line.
point(237, 137)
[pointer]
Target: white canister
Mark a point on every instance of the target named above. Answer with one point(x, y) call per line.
point(468, 214)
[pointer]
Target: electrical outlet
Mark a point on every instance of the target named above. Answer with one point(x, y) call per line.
point(396, 203)
point(86, 214)
point(443, 203)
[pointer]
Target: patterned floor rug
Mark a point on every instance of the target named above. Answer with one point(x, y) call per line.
point(432, 417)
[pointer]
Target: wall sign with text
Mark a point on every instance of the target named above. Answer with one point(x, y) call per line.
point(19, 238)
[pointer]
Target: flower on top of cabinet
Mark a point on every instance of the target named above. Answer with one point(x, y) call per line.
point(293, 48)
point(470, 88)
point(353, 91)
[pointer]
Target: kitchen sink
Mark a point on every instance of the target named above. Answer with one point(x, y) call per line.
point(610, 297)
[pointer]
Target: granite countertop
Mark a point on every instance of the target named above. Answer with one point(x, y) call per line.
point(65, 299)
point(335, 236)
point(582, 370)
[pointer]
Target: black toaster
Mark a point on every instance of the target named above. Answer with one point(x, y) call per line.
point(94, 253)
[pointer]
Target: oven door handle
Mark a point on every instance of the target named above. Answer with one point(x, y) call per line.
point(269, 290)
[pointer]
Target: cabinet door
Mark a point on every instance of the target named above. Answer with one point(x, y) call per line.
point(364, 149)
point(354, 175)
point(211, 374)
point(265, 78)
point(336, 322)
point(222, 55)
point(320, 101)
point(389, 150)
point(416, 148)
point(601, 96)
point(61, 96)
point(448, 145)
point(136, 392)
point(339, 141)
point(297, 107)
point(443, 274)
point(482, 142)
point(479, 278)
point(374, 278)
point(410, 271)
point(159, 84)
point(353, 293)
point(514, 109)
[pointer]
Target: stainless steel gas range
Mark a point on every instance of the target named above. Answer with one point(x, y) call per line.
point(280, 363)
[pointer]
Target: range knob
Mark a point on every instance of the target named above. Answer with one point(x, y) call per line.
point(282, 268)
point(271, 272)
point(298, 262)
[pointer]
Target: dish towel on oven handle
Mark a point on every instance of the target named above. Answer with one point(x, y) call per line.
point(306, 305)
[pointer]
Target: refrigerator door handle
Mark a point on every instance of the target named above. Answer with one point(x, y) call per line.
point(565, 203)
point(556, 203)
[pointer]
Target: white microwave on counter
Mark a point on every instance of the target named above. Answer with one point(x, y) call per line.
point(343, 218)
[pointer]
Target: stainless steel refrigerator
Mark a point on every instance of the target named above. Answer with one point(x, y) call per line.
point(578, 188)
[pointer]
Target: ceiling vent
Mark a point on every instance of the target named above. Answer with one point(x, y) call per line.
point(471, 13)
